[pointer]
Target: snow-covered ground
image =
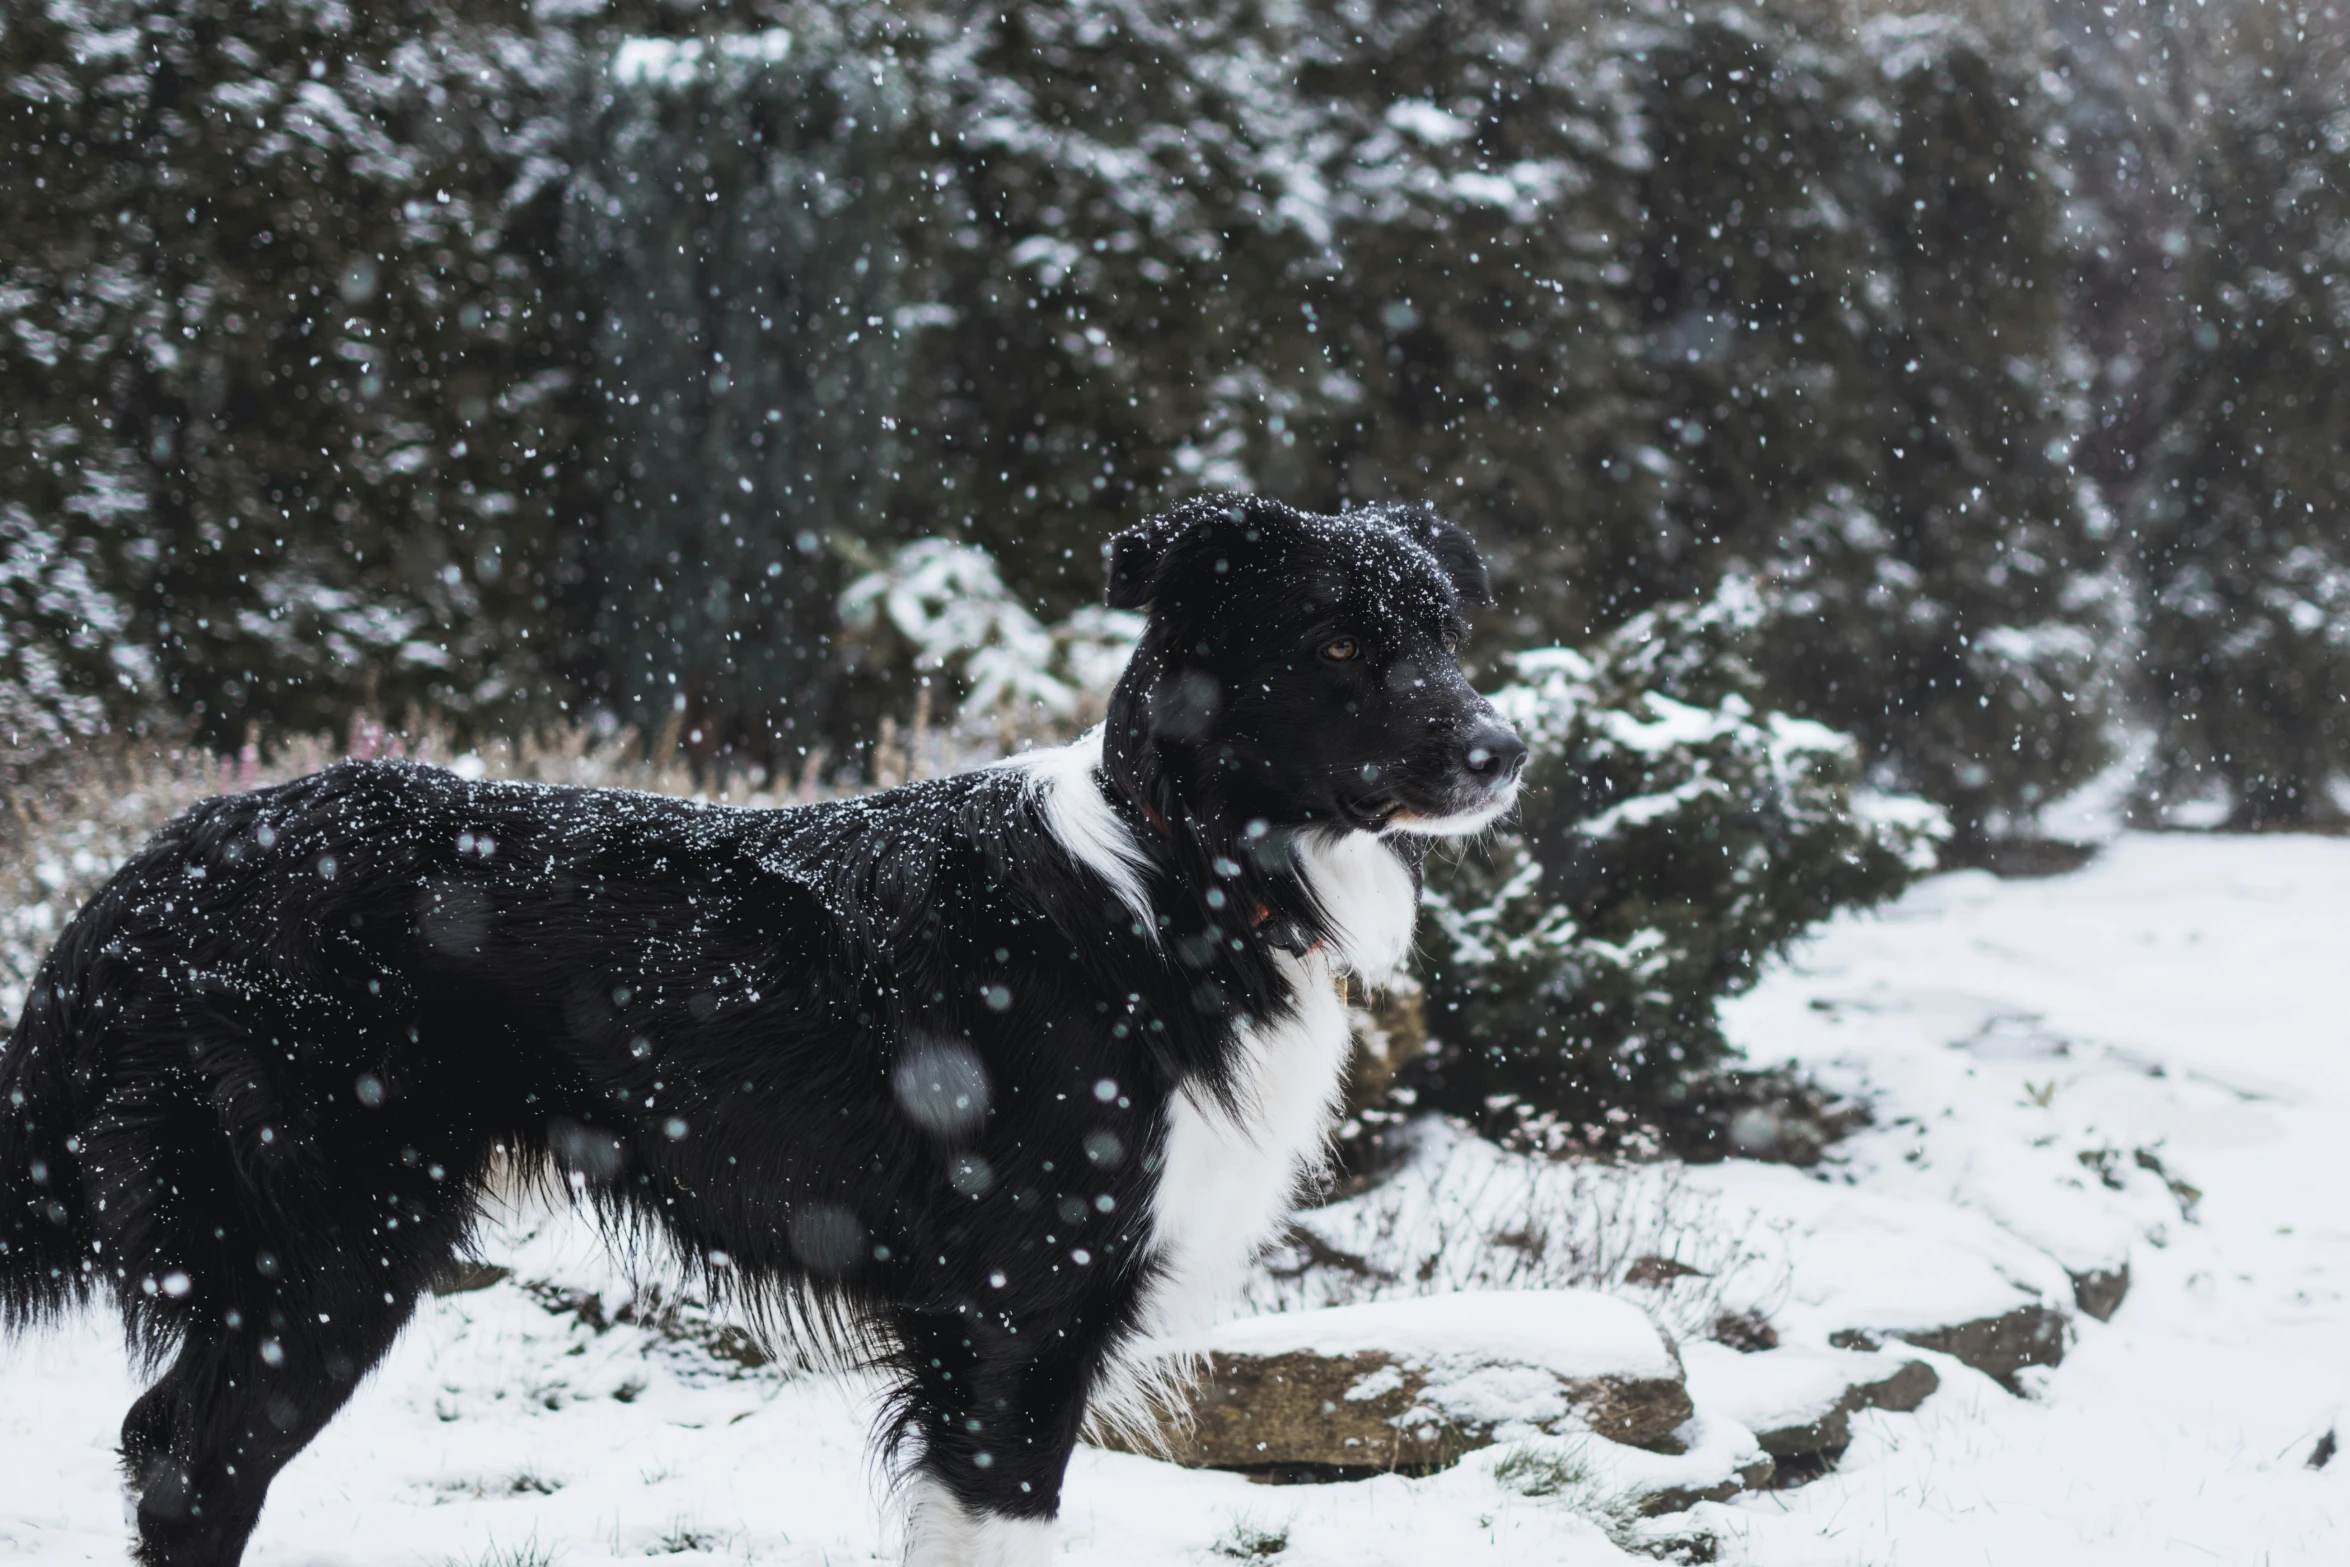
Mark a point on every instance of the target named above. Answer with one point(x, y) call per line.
point(2141, 1062)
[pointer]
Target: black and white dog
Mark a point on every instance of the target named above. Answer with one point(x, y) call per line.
point(998, 1075)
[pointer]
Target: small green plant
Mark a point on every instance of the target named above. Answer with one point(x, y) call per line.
point(1249, 1541)
point(684, 1536)
point(528, 1554)
point(1560, 1470)
point(1544, 1469)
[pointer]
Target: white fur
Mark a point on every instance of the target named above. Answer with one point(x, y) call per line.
point(1232, 1175)
point(1369, 899)
point(1233, 1172)
point(942, 1532)
point(1462, 824)
point(1066, 781)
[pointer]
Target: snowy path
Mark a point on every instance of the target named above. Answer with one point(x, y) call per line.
point(2187, 997)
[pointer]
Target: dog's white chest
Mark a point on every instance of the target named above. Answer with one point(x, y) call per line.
point(1232, 1174)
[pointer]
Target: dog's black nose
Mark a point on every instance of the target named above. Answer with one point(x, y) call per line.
point(1491, 750)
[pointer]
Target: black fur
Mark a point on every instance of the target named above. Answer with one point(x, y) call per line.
point(903, 1055)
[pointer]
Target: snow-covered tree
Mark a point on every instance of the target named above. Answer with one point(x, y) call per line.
point(495, 357)
point(276, 355)
point(1852, 278)
point(2244, 535)
point(730, 228)
point(1333, 252)
point(1677, 831)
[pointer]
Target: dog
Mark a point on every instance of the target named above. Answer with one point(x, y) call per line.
point(999, 1076)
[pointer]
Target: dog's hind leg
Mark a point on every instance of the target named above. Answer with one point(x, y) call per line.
point(203, 1444)
point(280, 1325)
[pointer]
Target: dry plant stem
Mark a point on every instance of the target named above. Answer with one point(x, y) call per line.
point(1517, 1223)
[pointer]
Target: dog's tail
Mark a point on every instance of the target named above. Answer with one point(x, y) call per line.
point(45, 1231)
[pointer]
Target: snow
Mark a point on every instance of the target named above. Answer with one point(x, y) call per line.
point(1779, 1388)
point(2141, 1061)
point(2023, 1043)
point(675, 62)
point(1572, 1333)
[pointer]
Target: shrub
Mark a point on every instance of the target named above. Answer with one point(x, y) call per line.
point(947, 606)
point(1676, 833)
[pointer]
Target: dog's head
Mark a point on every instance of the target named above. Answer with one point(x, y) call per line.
point(1303, 670)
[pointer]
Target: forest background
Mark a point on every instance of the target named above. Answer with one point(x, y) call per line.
point(1884, 422)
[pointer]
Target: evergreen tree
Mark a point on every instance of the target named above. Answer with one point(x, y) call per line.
point(1853, 284)
point(1476, 309)
point(609, 341)
point(731, 227)
point(2244, 542)
point(280, 378)
point(1338, 253)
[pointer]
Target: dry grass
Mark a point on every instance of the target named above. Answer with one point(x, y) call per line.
point(1470, 1217)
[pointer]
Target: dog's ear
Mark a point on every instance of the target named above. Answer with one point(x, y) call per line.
point(1455, 552)
point(1153, 560)
point(1447, 543)
point(1135, 558)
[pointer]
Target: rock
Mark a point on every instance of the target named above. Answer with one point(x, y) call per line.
point(1411, 1385)
point(2100, 1291)
point(1999, 1347)
point(1755, 1476)
point(1799, 1403)
point(1654, 1272)
point(1903, 1391)
point(1745, 1331)
point(1770, 1115)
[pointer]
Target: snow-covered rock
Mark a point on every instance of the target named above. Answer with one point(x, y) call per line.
point(1998, 1346)
point(1414, 1384)
point(1720, 1458)
point(1799, 1402)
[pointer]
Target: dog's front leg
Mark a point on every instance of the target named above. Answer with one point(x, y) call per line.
point(996, 1414)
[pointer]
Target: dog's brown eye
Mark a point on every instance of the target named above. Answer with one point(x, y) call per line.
point(1339, 649)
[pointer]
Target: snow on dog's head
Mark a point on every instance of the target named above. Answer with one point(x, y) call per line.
point(1303, 669)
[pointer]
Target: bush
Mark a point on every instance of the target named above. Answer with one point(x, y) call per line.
point(947, 606)
point(1676, 833)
